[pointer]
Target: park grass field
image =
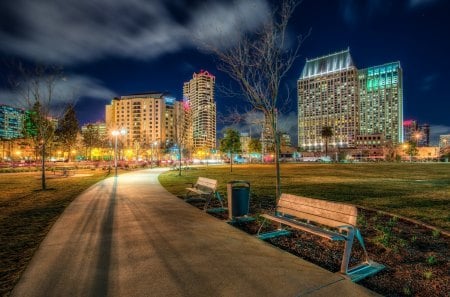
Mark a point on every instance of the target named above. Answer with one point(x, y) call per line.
point(27, 214)
point(419, 191)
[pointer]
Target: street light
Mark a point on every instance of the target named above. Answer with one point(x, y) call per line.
point(116, 133)
point(417, 136)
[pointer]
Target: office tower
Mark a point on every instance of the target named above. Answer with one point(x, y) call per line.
point(198, 94)
point(423, 137)
point(328, 96)
point(148, 118)
point(267, 138)
point(11, 122)
point(409, 128)
point(381, 101)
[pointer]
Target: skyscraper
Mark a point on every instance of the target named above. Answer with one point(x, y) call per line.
point(328, 96)
point(198, 94)
point(381, 101)
point(354, 103)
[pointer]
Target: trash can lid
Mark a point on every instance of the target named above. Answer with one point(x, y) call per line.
point(239, 182)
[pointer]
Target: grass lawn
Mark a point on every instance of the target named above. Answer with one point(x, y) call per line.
point(419, 191)
point(27, 213)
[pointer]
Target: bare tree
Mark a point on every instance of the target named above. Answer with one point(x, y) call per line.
point(258, 63)
point(36, 86)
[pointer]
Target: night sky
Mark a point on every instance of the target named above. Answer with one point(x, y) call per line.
point(112, 47)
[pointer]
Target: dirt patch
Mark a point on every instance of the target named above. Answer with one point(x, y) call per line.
point(417, 258)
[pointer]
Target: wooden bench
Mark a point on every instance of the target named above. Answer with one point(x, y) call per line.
point(204, 189)
point(330, 220)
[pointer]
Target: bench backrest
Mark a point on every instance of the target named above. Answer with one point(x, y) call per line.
point(327, 213)
point(206, 184)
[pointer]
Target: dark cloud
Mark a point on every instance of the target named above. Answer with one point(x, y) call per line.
point(68, 32)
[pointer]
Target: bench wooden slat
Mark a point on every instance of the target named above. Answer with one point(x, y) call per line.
point(207, 182)
point(309, 228)
point(323, 212)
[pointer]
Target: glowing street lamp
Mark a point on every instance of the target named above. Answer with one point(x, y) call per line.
point(116, 133)
point(417, 136)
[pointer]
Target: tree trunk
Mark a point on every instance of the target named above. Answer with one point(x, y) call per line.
point(326, 147)
point(277, 167)
point(231, 162)
point(44, 187)
point(179, 160)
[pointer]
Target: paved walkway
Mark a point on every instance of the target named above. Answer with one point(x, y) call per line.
point(127, 236)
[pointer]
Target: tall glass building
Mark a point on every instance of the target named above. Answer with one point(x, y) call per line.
point(381, 101)
point(328, 96)
point(198, 94)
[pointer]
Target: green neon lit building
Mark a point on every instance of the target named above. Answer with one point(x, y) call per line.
point(381, 101)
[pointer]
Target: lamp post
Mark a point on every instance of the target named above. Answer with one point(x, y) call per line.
point(153, 145)
point(116, 133)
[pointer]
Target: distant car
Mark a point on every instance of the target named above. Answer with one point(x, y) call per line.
point(240, 160)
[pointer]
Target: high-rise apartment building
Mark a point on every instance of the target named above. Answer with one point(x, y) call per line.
point(328, 96)
point(147, 118)
point(381, 101)
point(354, 103)
point(198, 94)
point(11, 122)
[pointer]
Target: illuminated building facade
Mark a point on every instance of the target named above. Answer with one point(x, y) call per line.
point(11, 122)
point(328, 96)
point(381, 101)
point(423, 138)
point(98, 126)
point(148, 118)
point(198, 94)
point(354, 103)
point(267, 138)
point(409, 128)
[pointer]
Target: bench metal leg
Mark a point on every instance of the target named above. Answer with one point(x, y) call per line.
point(347, 250)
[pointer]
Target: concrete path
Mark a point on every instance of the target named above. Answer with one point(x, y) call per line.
point(127, 236)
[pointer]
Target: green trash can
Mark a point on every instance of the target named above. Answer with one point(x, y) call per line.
point(238, 194)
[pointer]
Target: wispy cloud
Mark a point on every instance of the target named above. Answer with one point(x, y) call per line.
point(72, 31)
point(356, 11)
point(419, 3)
point(428, 82)
point(353, 11)
point(66, 90)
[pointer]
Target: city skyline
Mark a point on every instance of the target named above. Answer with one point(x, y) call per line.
point(122, 55)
